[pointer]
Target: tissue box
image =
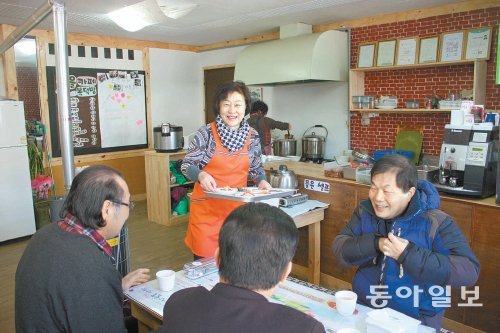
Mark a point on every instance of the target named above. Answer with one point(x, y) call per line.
point(390, 321)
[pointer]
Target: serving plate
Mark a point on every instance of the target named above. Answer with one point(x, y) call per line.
point(226, 190)
point(251, 194)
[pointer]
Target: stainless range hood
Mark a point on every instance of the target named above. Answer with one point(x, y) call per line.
point(300, 59)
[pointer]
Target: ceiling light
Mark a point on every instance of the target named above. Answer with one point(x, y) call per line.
point(175, 9)
point(135, 17)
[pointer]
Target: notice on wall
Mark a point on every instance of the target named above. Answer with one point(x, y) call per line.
point(107, 109)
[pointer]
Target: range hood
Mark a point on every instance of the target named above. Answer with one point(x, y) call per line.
point(305, 58)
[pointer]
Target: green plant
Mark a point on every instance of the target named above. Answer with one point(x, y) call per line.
point(35, 156)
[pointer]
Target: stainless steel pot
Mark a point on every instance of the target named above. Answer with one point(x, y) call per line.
point(284, 147)
point(283, 178)
point(313, 146)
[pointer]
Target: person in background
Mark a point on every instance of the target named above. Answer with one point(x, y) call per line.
point(263, 125)
point(256, 246)
point(400, 239)
point(224, 153)
point(66, 280)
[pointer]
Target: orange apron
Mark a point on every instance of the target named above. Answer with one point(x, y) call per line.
point(207, 214)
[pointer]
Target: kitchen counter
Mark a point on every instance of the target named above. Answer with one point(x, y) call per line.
point(316, 171)
point(477, 218)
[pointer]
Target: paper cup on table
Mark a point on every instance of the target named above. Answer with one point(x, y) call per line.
point(345, 302)
point(166, 279)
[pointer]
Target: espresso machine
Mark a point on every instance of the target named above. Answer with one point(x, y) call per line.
point(468, 160)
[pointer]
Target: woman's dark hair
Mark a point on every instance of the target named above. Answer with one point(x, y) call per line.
point(259, 106)
point(225, 89)
point(406, 172)
point(90, 188)
point(256, 243)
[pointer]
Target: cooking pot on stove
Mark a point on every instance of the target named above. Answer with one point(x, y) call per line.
point(283, 178)
point(284, 147)
point(168, 138)
point(313, 146)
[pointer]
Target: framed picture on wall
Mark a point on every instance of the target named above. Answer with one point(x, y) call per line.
point(407, 50)
point(255, 93)
point(385, 52)
point(428, 50)
point(452, 46)
point(478, 44)
point(366, 55)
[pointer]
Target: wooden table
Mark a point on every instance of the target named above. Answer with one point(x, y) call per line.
point(148, 320)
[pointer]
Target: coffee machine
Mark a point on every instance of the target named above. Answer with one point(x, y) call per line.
point(468, 160)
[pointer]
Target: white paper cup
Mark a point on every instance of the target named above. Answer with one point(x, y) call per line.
point(345, 302)
point(166, 279)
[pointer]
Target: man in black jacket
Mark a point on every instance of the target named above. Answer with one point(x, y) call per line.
point(256, 246)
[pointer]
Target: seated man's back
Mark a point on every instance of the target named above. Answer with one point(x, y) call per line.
point(227, 308)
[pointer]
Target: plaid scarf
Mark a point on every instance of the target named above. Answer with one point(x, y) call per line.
point(232, 140)
point(72, 225)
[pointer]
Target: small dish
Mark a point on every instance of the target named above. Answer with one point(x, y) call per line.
point(226, 190)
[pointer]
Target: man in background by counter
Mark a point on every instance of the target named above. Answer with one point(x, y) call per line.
point(263, 125)
point(256, 246)
point(65, 280)
point(401, 241)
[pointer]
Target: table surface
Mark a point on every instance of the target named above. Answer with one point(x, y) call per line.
point(148, 301)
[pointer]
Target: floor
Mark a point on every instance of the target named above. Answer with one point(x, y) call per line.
point(151, 246)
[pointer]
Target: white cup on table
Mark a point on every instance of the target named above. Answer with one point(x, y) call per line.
point(345, 302)
point(166, 279)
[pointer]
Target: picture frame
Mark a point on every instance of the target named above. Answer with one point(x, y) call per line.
point(366, 55)
point(452, 46)
point(428, 50)
point(386, 50)
point(255, 93)
point(478, 44)
point(407, 51)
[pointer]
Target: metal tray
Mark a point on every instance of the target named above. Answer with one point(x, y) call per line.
point(275, 193)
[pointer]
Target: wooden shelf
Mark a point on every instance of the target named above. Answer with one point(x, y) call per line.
point(402, 110)
point(184, 184)
point(430, 64)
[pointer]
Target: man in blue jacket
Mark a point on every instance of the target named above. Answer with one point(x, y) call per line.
point(407, 250)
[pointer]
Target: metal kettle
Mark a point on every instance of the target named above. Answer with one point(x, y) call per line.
point(283, 178)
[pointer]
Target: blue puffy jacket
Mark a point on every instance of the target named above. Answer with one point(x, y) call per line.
point(437, 253)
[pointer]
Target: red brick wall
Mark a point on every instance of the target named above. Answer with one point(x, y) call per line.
point(418, 84)
point(27, 78)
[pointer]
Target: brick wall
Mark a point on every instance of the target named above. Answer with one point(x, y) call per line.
point(27, 78)
point(419, 83)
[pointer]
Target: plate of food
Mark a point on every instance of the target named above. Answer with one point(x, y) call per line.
point(226, 190)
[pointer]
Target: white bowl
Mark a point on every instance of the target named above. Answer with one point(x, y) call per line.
point(293, 158)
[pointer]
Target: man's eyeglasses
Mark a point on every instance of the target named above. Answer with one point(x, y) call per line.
point(130, 205)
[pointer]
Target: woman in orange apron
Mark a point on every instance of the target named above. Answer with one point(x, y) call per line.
point(223, 153)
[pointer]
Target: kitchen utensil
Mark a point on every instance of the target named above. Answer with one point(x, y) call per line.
point(364, 157)
point(168, 138)
point(313, 146)
point(284, 147)
point(283, 178)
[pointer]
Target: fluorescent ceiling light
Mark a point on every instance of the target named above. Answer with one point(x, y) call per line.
point(135, 17)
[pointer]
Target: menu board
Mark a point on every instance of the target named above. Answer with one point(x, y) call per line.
point(107, 109)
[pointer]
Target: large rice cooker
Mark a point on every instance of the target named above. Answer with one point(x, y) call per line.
point(313, 146)
point(168, 138)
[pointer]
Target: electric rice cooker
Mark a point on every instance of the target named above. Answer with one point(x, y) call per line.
point(168, 138)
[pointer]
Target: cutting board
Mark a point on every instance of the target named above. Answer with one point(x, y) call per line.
point(410, 140)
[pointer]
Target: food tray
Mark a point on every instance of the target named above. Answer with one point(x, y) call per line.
point(238, 196)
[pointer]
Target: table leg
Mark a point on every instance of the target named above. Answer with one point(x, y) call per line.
point(314, 231)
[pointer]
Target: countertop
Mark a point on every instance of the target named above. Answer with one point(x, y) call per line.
point(316, 171)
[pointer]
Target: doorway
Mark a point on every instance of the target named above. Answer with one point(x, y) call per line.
point(213, 76)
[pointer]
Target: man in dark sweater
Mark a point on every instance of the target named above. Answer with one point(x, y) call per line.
point(256, 246)
point(65, 280)
point(263, 125)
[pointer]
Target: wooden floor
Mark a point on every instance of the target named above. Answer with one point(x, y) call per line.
point(151, 246)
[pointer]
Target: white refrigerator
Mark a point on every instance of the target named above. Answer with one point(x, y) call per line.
point(17, 217)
